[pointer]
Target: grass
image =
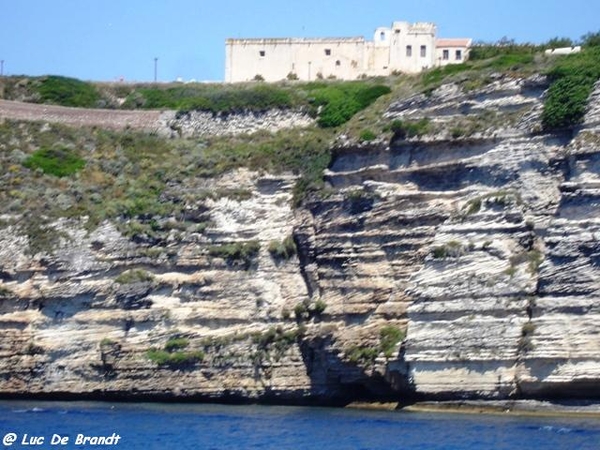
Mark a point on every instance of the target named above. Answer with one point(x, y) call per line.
point(60, 161)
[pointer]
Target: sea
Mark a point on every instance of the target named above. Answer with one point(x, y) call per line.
point(149, 426)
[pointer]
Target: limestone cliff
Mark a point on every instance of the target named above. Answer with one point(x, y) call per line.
point(462, 264)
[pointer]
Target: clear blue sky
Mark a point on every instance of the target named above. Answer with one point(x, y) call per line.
point(108, 39)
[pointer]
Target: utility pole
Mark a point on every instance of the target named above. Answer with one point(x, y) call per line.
point(155, 69)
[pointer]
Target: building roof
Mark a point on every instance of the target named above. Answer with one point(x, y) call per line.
point(453, 42)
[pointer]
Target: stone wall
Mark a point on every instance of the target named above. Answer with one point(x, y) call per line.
point(202, 123)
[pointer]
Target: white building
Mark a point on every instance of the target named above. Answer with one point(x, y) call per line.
point(408, 48)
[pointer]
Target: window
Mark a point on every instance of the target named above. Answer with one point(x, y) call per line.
point(328, 52)
point(458, 55)
point(423, 51)
point(382, 36)
point(409, 50)
point(262, 53)
point(446, 54)
point(338, 63)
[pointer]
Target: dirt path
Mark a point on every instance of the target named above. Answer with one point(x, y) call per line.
point(104, 118)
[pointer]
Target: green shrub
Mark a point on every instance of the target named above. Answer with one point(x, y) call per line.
point(173, 355)
point(60, 161)
point(176, 344)
point(5, 292)
point(573, 78)
point(408, 129)
point(457, 132)
point(525, 345)
point(558, 42)
point(301, 311)
point(243, 252)
point(107, 342)
point(451, 249)
point(165, 358)
point(319, 307)
point(134, 276)
point(436, 76)
point(221, 99)
point(591, 39)
point(389, 336)
point(535, 260)
point(285, 249)
point(362, 355)
point(340, 101)
point(503, 48)
point(67, 92)
point(367, 135)
point(473, 206)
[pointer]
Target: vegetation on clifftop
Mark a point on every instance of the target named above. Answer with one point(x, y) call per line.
point(573, 78)
point(134, 178)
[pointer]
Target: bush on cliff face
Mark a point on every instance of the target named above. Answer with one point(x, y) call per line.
point(285, 249)
point(573, 78)
point(236, 252)
point(389, 337)
point(135, 276)
point(173, 354)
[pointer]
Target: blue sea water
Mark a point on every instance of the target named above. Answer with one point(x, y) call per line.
point(212, 427)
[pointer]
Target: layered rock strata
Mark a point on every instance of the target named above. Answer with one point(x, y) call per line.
point(457, 265)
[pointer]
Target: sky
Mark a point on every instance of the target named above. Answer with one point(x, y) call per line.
point(108, 40)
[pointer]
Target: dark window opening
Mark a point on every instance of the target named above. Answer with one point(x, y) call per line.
point(423, 51)
point(446, 54)
point(458, 55)
point(338, 63)
point(328, 51)
point(409, 50)
point(262, 53)
point(382, 36)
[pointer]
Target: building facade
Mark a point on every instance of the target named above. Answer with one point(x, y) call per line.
point(405, 47)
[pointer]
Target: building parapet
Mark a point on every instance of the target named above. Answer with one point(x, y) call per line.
point(563, 50)
point(272, 41)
